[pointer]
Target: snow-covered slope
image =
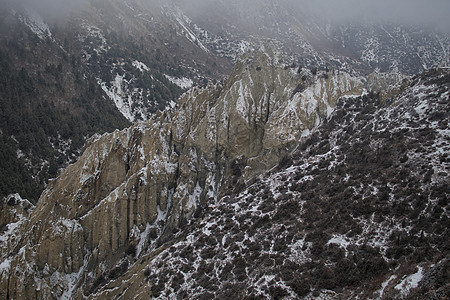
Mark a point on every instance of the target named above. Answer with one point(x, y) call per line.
point(35, 22)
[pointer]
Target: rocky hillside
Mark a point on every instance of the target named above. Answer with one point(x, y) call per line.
point(155, 176)
point(359, 210)
point(174, 207)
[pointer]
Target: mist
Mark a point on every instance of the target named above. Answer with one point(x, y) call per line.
point(52, 8)
point(423, 13)
point(431, 13)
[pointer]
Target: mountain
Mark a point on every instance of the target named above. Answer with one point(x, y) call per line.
point(68, 76)
point(88, 67)
point(182, 205)
point(165, 169)
point(220, 150)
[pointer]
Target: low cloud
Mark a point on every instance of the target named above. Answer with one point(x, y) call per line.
point(52, 8)
point(430, 13)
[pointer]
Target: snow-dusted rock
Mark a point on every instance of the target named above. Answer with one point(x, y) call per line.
point(131, 190)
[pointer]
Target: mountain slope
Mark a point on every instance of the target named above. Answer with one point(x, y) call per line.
point(359, 210)
point(179, 192)
point(176, 206)
point(68, 76)
point(142, 55)
point(48, 106)
point(155, 176)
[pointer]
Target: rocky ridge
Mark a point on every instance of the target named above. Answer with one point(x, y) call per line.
point(132, 190)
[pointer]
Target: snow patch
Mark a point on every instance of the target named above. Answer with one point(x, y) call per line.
point(385, 284)
point(118, 95)
point(339, 240)
point(140, 66)
point(71, 280)
point(97, 34)
point(5, 266)
point(410, 282)
point(185, 22)
point(143, 238)
point(183, 82)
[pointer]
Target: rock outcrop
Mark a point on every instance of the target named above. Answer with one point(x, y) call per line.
point(132, 190)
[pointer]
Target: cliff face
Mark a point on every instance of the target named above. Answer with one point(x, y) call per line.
point(132, 190)
point(262, 110)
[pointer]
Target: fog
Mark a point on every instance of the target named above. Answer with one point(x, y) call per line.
point(430, 13)
point(51, 8)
